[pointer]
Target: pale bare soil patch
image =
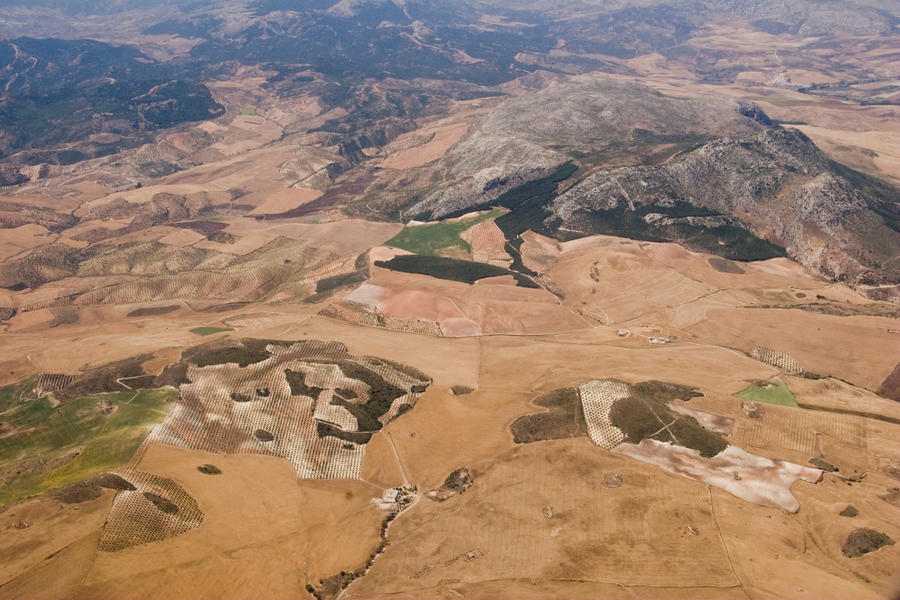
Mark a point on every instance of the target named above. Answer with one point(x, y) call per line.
point(758, 480)
point(368, 294)
point(285, 200)
point(439, 140)
point(494, 305)
point(539, 252)
point(19, 239)
point(380, 253)
point(345, 236)
point(182, 237)
point(488, 244)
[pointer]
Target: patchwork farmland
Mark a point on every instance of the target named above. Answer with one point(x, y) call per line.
point(471, 438)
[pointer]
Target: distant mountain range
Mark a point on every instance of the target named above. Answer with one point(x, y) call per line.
point(67, 101)
point(714, 175)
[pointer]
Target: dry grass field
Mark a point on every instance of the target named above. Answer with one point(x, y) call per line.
point(423, 146)
point(490, 306)
point(651, 533)
point(591, 535)
point(288, 534)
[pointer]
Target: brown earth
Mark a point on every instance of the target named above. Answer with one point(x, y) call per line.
point(488, 244)
point(325, 527)
point(497, 533)
point(538, 521)
point(286, 200)
point(440, 139)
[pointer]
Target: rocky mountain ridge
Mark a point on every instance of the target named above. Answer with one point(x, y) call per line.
point(778, 186)
point(732, 182)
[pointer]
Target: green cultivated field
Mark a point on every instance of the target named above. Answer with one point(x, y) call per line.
point(44, 444)
point(431, 238)
point(773, 392)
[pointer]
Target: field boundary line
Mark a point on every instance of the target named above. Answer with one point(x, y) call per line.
point(397, 456)
point(424, 523)
point(406, 594)
point(712, 510)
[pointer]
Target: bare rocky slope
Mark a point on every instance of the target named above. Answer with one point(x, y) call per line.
point(527, 136)
point(777, 184)
point(710, 173)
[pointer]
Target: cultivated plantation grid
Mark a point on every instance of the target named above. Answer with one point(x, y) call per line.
point(759, 480)
point(251, 410)
point(227, 408)
point(52, 382)
point(135, 519)
point(780, 360)
point(597, 399)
